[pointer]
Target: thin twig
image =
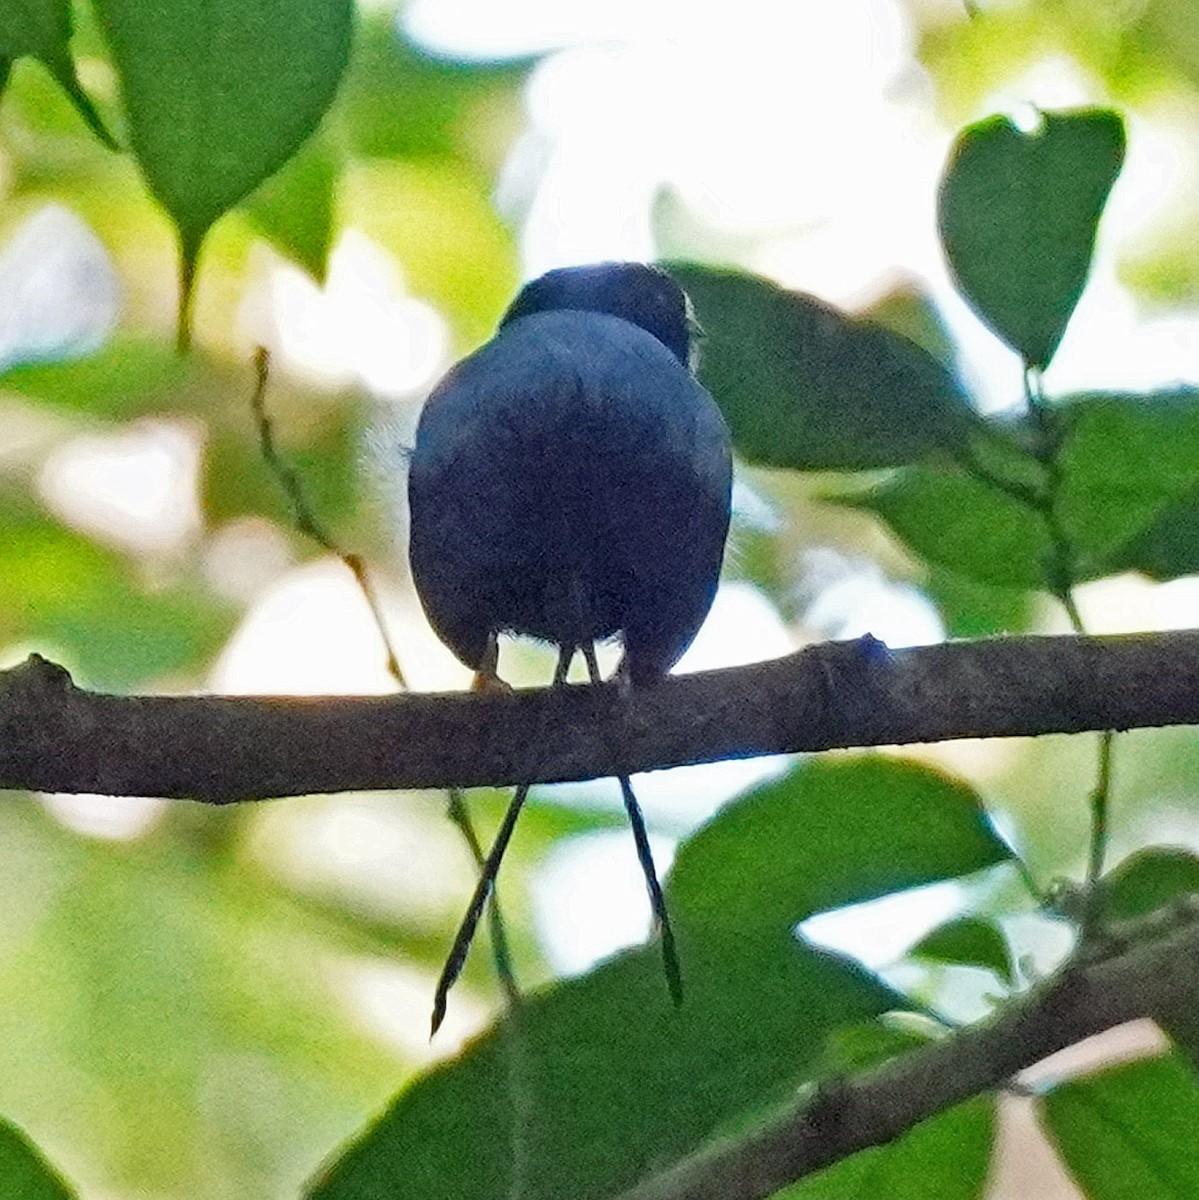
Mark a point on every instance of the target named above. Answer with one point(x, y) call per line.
point(303, 517)
point(305, 520)
point(1064, 577)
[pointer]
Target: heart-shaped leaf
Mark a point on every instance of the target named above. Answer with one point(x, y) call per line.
point(219, 95)
point(1018, 210)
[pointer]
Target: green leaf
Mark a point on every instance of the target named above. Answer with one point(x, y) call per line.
point(595, 1083)
point(971, 609)
point(1129, 1133)
point(1018, 211)
point(24, 1173)
point(956, 521)
point(400, 102)
point(294, 208)
point(77, 601)
point(1127, 461)
point(41, 29)
point(826, 835)
point(1143, 882)
point(968, 942)
point(127, 378)
point(945, 1158)
point(220, 94)
point(805, 386)
point(1147, 880)
point(1168, 548)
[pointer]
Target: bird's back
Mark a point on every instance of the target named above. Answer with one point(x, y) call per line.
point(570, 480)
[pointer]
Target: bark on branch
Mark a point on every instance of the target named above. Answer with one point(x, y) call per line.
point(219, 749)
point(1145, 968)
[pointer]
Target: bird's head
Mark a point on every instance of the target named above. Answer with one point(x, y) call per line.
point(641, 294)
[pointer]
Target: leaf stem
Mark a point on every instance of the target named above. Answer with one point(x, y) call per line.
point(189, 257)
point(1063, 575)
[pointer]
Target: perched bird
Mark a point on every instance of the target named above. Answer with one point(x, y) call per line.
point(570, 482)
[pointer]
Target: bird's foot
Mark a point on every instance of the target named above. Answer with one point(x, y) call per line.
point(490, 684)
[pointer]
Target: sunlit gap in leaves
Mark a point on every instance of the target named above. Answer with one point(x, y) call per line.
point(666, 163)
point(59, 293)
point(360, 328)
point(136, 488)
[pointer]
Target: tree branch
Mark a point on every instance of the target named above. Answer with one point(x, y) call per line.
point(219, 749)
point(1150, 966)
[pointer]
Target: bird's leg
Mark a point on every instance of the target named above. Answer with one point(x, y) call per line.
point(486, 678)
point(670, 956)
point(466, 931)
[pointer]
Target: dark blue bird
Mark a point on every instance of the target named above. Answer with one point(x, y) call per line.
point(571, 482)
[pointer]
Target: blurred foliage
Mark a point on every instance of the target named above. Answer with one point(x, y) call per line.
point(179, 1017)
point(24, 1174)
point(1129, 1131)
point(947, 1158)
point(610, 1049)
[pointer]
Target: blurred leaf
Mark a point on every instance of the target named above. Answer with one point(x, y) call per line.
point(971, 609)
point(968, 942)
point(220, 94)
point(1129, 1133)
point(945, 1158)
point(1169, 31)
point(829, 833)
point(911, 313)
point(1126, 461)
point(129, 377)
point(24, 1173)
point(167, 1017)
point(85, 604)
point(1018, 213)
point(805, 386)
point(400, 102)
point(294, 208)
point(1147, 880)
point(42, 30)
point(1169, 547)
point(596, 1082)
point(956, 521)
